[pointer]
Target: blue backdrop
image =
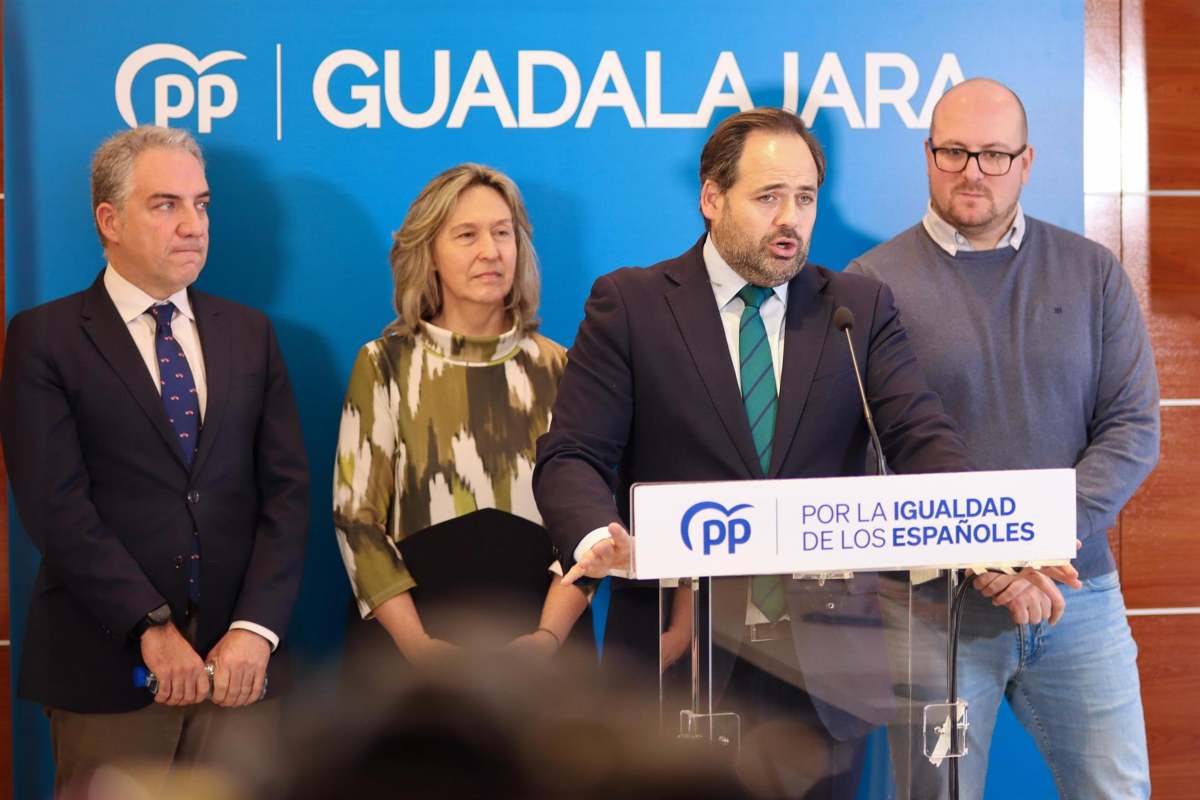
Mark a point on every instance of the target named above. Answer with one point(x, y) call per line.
point(321, 121)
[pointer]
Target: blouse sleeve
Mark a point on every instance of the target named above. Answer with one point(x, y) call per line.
point(364, 483)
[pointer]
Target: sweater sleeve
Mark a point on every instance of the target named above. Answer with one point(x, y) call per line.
point(1123, 433)
point(364, 484)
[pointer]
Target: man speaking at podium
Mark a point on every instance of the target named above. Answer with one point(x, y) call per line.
point(723, 364)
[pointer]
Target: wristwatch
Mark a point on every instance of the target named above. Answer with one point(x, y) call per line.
point(159, 616)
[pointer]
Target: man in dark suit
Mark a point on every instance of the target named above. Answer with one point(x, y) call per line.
point(155, 455)
point(673, 377)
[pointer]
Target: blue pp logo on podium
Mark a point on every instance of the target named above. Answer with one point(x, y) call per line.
point(1007, 518)
point(717, 525)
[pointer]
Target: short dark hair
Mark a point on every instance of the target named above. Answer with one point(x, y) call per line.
point(719, 159)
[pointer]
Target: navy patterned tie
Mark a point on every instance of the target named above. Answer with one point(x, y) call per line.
point(760, 399)
point(182, 405)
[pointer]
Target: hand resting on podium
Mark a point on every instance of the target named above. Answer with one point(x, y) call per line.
point(1030, 595)
point(604, 556)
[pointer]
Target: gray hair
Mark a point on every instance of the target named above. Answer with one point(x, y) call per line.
point(112, 165)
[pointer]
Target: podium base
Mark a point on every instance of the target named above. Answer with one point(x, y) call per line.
point(721, 731)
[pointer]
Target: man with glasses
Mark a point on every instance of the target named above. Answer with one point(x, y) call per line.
point(1033, 338)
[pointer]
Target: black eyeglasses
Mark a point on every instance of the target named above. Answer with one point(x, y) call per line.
point(990, 162)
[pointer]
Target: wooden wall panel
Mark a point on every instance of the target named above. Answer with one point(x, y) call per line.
point(1160, 56)
point(1159, 525)
point(1174, 292)
point(1135, 252)
point(1172, 31)
point(1174, 236)
point(1169, 664)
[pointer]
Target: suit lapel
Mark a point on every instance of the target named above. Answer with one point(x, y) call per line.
point(695, 310)
point(216, 344)
point(807, 324)
point(110, 335)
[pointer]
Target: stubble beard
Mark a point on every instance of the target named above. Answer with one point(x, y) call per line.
point(986, 224)
point(753, 260)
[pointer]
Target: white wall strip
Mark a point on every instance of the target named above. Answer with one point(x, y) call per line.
point(1149, 193)
point(1187, 401)
point(1161, 612)
point(278, 92)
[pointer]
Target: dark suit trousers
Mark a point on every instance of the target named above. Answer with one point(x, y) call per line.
point(786, 749)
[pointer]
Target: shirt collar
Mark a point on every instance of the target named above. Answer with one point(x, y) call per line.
point(949, 239)
point(132, 302)
point(476, 351)
point(725, 282)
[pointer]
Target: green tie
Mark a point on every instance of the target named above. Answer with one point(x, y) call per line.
point(759, 398)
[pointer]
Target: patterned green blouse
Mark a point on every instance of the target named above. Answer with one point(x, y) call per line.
point(433, 427)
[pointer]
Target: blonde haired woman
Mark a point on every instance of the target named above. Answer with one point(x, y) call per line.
point(443, 411)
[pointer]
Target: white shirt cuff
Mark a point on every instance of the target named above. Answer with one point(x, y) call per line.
point(589, 541)
point(266, 633)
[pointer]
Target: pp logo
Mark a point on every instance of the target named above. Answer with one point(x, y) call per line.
point(730, 531)
point(174, 94)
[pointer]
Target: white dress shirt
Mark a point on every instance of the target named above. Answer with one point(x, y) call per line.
point(947, 237)
point(133, 307)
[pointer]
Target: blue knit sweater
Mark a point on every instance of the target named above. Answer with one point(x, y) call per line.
point(1041, 355)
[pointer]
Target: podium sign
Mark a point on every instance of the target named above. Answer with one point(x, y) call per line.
point(817, 525)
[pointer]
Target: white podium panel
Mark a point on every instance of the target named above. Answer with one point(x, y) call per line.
point(826, 525)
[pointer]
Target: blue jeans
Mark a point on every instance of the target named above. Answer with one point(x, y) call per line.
point(1073, 686)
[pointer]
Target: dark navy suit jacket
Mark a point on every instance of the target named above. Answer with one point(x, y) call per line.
point(650, 394)
point(102, 489)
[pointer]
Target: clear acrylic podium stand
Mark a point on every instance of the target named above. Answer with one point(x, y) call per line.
point(842, 689)
point(850, 687)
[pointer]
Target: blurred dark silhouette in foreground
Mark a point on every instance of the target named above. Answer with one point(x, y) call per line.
point(492, 724)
